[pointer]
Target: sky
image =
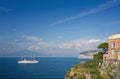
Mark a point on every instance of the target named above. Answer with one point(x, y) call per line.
point(59, 28)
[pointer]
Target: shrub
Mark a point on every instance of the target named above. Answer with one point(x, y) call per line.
point(75, 74)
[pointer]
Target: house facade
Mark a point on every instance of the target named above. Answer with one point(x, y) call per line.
point(114, 47)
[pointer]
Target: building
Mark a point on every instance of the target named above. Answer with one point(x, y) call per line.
point(114, 47)
point(113, 55)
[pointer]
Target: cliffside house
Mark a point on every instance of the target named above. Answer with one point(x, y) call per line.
point(114, 48)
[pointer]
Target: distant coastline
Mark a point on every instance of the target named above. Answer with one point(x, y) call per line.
point(87, 54)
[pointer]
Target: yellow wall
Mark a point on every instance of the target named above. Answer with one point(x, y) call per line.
point(118, 55)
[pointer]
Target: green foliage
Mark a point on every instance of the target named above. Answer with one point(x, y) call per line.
point(75, 66)
point(75, 74)
point(82, 77)
point(92, 70)
point(103, 46)
point(98, 56)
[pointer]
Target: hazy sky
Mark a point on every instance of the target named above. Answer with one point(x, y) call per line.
point(56, 27)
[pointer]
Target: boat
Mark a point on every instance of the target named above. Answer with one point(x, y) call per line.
point(25, 61)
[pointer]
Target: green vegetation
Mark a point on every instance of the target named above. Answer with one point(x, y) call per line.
point(94, 69)
point(103, 46)
point(98, 56)
point(91, 70)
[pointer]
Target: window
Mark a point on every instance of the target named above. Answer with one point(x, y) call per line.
point(113, 44)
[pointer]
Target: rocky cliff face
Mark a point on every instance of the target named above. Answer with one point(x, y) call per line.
point(91, 70)
point(77, 73)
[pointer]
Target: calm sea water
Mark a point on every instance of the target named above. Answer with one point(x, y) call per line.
point(47, 68)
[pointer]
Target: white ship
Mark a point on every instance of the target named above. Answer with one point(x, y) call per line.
point(25, 61)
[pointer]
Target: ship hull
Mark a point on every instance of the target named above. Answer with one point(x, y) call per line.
point(27, 61)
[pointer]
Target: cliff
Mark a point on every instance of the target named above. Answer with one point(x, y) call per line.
point(91, 70)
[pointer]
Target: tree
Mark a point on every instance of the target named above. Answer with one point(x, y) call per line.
point(98, 56)
point(103, 46)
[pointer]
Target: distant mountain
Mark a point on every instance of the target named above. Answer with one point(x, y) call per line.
point(88, 54)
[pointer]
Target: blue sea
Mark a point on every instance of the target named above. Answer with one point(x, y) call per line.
point(47, 68)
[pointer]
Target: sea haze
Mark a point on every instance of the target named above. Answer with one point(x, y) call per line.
point(47, 68)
